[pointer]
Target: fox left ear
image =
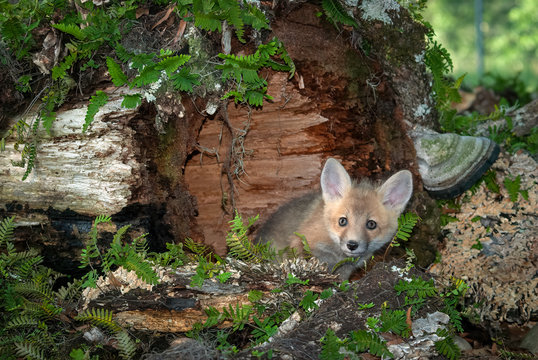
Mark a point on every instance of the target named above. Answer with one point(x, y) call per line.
point(397, 190)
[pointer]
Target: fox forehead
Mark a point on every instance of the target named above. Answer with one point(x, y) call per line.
point(361, 201)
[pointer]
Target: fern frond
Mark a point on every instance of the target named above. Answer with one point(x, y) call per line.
point(60, 70)
point(336, 13)
point(30, 350)
point(99, 99)
point(116, 73)
point(126, 345)
point(131, 101)
point(142, 269)
point(254, 17)
point(209, 22)
point(69, 292)
point(35, 291)
point(22, 321)
point(100, 317)
point(25, 269)
point(232, 14)
point(417, 286)
point(172, 63)
point(513, 187)
point(362, 340)
point(330, 348)
point(447, 347)
point(184, 80)
point(395, 321)
point(7, 227)
point(71, 29)
point(406, 223)
point(197, 248)
point(240, 247)
point(30, 153)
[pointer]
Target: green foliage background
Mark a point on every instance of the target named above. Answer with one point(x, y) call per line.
point(510, 38)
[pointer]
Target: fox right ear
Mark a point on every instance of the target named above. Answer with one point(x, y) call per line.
point(335, 181)
point(397, 190)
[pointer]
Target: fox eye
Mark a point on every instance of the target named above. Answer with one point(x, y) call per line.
point(371, 224)
point(342, 221)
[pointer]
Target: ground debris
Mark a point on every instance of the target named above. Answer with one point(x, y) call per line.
point(493, 245)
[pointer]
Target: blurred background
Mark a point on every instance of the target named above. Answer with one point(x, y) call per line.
point(495, 42)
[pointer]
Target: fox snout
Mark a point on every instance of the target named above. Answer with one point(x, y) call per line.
point(354, 248)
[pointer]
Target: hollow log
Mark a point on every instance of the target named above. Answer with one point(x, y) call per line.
point(174, 171)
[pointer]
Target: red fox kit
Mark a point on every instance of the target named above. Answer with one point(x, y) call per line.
point(346, 219)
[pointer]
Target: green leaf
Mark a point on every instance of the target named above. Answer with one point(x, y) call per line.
point(184, 80)
point(71, 29)
point(308, 301)
point(131, 101)
point(330, 346)
point(513, 187)
point(149, 75)
point(336, 13)
point(99, 99)
point(172, 63)
point(118, 76)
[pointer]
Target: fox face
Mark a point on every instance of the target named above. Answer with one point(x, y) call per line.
point(360, 218)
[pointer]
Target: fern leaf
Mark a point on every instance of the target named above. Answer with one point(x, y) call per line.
point(447, 347)
point(254, 17)
point(142, 269)
point(7, 227)
point(394, 321)
point(99, 99)
point(331, 346)
point(149, 75)
point(30, 153)
point(131, 101)
point(172, 63)
point(118, 76)
point(69, 292)
point(406, 223)
point(126, 345)
point(209, 22)
point(22, 321)
point(337, 14)
point(29, 350)
point(99, 317)
point(184, 80)
point(60, 70)
point(71, 29)
point(196, 248)
point(241, 247)
point(416, 286)
point(513, 187)
point(362, 340)
point(232, 13)
point(37, 291)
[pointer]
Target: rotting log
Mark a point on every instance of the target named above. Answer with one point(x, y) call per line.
point(169, 169)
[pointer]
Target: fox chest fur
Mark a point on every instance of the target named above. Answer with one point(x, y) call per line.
point(346, 219)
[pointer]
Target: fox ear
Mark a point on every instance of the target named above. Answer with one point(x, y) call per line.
point(335, 181)
point(397, 190)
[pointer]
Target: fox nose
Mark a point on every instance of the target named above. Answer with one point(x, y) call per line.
point(352, 245)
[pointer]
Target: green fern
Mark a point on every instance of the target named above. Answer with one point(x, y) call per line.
point(184, 80)
point(118, 76)
point(330, 346)
point(513, 187)
point(395, 321)
point(7, 226)
point(99, 317)
point(447, 347)
point(60, 70)
point(29, 154)
point(362, 340)
point(30, 350)
point(172, 63)
point(406, 223)
point(71, 29)
point(96, 102)
point(240, 247)
point(131, 101)
point(126, 345)
point(336, 13)
point(416, 287)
